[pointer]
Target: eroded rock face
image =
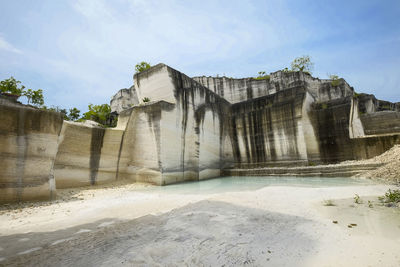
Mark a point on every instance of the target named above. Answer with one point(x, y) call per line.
point(28, 147)
point(124, 99)
point(239, 90)
point(176, 140)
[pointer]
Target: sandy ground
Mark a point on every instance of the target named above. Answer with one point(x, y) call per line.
point(271, 226)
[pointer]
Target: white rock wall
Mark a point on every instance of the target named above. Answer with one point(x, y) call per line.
point(177, 140)
point(87, 155)
point(28, 146)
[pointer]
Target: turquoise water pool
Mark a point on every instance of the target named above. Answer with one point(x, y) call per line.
point(245, 183)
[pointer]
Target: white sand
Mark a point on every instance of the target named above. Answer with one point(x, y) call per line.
point(275, 225)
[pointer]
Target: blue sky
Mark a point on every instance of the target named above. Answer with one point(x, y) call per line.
point(84, 51)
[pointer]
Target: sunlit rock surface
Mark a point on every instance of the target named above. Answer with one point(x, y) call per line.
point(28, 147)
point(87, 155)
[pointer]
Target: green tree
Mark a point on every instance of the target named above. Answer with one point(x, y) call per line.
point(98, 113)
point(74, 114)
point(34, 96)
point(142, 66)
point(303, 64)
point(11, 86)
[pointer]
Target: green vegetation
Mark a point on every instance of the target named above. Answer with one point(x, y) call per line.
point(392, 196)
point(146, 99)
point(357, 199)
point(311, 163)
point(287, 70)
point(97, 113)
point(303, 64)
point(142, 66)
point(74, 114)
point(335, 80)
point(11, 86)
point(34, 97)
point(262, 76)
point(329, 202)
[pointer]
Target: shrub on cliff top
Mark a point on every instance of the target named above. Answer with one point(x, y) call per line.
point(34, 97)
point(303, 64)
point(97, 113)
point(335, 80)
point(142, 66)
point(11, 86)
point(14, 87)
point(74, 114)
point(262, 76)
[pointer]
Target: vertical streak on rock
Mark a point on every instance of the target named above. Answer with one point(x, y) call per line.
point(121, 145)
point(270, 133)
point(154, 117)
point(22, 148)
point(259, 136)
point(253, 151)
point(294, 127)
point(96, 144)
point(245, 139)
point(235, 141)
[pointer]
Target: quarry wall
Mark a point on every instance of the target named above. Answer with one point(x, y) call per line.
point(271, 130)
point(238, 90)
point(87, 155)
point(179, 135)
point(28, 147)
point(192, 129)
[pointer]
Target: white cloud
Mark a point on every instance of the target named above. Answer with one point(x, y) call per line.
point(6, 46)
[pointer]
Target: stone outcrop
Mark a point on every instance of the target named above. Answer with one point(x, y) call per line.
point(179, 136)
point(124, 99)
point(194, 129)
point(28, 147)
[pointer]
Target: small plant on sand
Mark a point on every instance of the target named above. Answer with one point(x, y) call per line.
point(392, 196)
point(357, 199)
point(146, 99)
point(329, 203)
point(370, 204)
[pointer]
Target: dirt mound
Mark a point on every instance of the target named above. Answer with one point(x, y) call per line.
point(390, 171)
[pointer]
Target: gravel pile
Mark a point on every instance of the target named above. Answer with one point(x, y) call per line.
point(390, 171)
